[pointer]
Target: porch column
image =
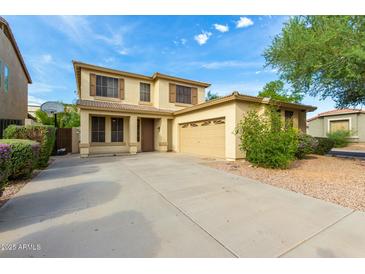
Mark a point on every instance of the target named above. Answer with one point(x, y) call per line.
point(84, 133)
point(132, 134)
point(162, 136)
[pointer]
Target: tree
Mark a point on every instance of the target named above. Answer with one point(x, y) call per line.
point(211, 96)
point(322, 56)
point(275, 90)
point(68, 119)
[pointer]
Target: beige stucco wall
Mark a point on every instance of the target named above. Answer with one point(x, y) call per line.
point(320, 126)
point(361, 127)
point(315, 128)
point(163, 97)
point(13, 104)
point(159, 91)
point(75, 139)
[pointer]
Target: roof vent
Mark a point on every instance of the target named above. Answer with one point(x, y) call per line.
point(235, 93)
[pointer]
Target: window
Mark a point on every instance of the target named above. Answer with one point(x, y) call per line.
point(98, 129)
point(289, 118)
point(117, 129)
point(138, 130)
point(183, 94)
point(106, 86)
point(145, 92)
point(6, 78)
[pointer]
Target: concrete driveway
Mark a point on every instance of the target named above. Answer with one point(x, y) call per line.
point(169, 205)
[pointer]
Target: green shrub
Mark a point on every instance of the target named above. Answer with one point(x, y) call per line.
point(324, 145)
point(306, 145)
point(44, 135)
point(339, 137)
point(266, 141)
point(5, 154)
point(23, 157)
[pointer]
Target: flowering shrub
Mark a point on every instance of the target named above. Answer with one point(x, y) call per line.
point(23, 158)
point(5, 154)
point(306, 145)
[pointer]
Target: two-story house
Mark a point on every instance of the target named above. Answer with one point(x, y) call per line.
point(14, 80)
point(126, 112)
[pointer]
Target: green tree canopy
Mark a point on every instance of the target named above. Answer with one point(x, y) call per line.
point(322, 56)
point(211, 96)
point(275, 90)
point(68, 119)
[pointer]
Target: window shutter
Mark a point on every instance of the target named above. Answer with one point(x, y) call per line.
point(172, 93)
point(194, 96)
point(121, 89)
point(92, 84)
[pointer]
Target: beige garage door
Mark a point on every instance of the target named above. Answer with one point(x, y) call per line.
point(206, 138)
point(339, 125)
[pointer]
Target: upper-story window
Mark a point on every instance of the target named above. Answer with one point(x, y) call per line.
point(106, 86)
point(183, 94)
point(6, 78)
point(145, 92)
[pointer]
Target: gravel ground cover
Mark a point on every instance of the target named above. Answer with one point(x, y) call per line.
point(354, 146)
point(337, 180)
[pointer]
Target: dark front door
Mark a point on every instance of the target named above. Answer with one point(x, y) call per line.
point(148, 140)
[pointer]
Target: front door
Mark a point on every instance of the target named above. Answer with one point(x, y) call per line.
point(148, 140)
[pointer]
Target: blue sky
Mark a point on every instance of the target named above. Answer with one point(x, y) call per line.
point(225, 51)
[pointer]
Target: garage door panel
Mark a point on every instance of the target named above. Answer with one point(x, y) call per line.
point(206, 138)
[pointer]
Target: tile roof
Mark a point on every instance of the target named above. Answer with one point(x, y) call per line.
point(121, 107)
point(336, 112)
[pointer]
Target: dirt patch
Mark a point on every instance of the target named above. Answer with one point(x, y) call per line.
point(337, 180)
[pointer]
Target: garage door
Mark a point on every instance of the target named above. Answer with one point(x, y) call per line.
point(339, 125)
point(206, 138)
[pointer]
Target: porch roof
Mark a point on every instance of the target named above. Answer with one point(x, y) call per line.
point(111, 106)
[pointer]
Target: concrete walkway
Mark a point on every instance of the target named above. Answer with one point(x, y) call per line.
point(169, 205)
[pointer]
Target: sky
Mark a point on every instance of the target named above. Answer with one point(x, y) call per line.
point(225, 51)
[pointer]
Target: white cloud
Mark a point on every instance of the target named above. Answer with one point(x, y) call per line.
point(202, 38)
point(244, 22)
point(32, 100)
point(46, 58)
point(123, 52)
point(183, 41)
point(258, 72)
point(221, 28)
point(249, 88)
point(230, 64)
point(40, 87)
point(81, 31)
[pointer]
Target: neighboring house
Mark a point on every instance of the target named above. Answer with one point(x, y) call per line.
point(14, 80)
point(339, 119)
point(127, 112)
point(32, 119)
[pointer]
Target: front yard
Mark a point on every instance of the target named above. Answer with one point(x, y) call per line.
point(337, 180)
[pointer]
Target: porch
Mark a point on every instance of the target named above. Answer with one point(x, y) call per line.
point(118, 133)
